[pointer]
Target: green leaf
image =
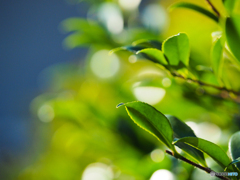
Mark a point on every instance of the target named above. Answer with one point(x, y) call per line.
point(234, 146)
point(148, 43)
point(213, 150)
point(217, 57)
point(154, 55)
point(195, 8)
point(132, 49)
point(77, 39)
point(74, 24)
point(236, 161)
point(233, 35)
point(230, 5)
point(151, 120)
point(181, 130)
point(176, 49)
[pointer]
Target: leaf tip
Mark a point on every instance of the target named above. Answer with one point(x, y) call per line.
point(120, 104)
point(116, 50)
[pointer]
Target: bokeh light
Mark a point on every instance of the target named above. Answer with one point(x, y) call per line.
point(129, 5)
point(111, 16)
point(157, 155)
point(150, 95)
point(154, 17)
point(46, 113)
point(97, 171)
point(104, 65)
point(162, 174)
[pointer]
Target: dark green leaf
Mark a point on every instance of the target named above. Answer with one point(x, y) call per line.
point(132, 49)
point(154, 55)
point(234, 146)
point(233, 35)
point(151, 120)
point(177, 48)
point(181, 130)
point(195, 8)
point(236, 161)
point(148, 43)
point(217, 56)
point(213, 150)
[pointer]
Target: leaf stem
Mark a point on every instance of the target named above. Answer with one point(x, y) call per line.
point(213, 8)
point(206, 169)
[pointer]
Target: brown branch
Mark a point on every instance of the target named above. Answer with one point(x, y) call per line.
point(207, 170)
point(206, 84)
point(213, 8)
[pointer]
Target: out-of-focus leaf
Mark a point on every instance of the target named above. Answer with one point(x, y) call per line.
point(195, 8)
point(217, 56)
point(181, 130)
point(230, 72)
point(148, 43)
point(177, 48)
point(229, 5)
point(74, 24)
point(213, 150)
point(76, 40)
point(233, 35)
point(154, 55)
point(234, 147)
point(132, 49)
point(151, 120)
point(83, 25)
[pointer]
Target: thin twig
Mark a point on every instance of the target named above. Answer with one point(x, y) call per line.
point(206, 84)
point(213, 8)
point(208, 170)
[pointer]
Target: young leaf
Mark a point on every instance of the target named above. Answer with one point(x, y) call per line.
point(213, 150)
point(233, 35)
point(151, 120)
point(154, 55)
point(195, 8)
point(177, 48)
point(217, 57)
point(234, 146)
point(181, 130)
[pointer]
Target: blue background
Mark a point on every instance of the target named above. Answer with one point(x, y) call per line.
point(30, 40)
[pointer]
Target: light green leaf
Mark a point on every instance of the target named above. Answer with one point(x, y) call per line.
point(213, 150)
point(234, 146)
point(195, 8)
point(76, 40)
point(233, 35)
point(154, 55)
point(74, 24)
point(89, 27)
point(176, 49)
point(151, 120)
point(217, 57)
point(230, 6)
point(181, 130)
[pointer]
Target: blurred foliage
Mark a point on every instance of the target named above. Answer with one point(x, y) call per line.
point(88, 138)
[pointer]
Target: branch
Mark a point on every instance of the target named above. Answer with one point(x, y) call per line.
point(213, 8)
point(207, 170)
point(206, 84)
